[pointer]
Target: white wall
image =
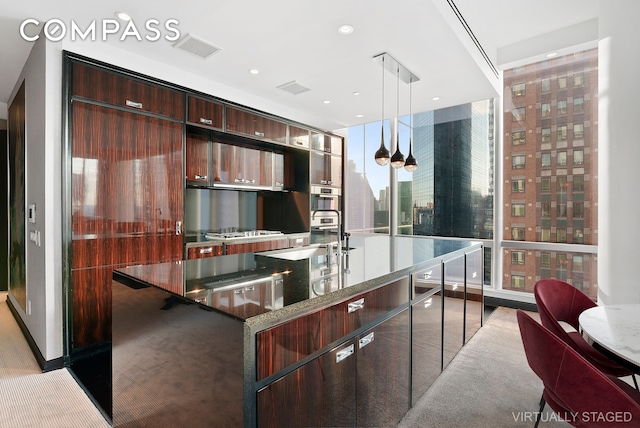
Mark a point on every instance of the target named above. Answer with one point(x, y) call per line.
point(42, 74)
point(618, 153)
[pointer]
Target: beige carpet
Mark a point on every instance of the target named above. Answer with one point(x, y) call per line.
point(30, 398)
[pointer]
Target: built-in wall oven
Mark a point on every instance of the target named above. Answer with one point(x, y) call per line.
point(326, 218)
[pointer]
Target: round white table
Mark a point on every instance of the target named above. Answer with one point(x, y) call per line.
point(616, 328)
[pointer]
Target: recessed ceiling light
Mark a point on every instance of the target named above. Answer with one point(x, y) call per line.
point(435, 98)
point(359, 115)
point(552, 54)
point(356, 93)
point(326, 101)
point(123, 15)
point(254, 71)
point(345, 29)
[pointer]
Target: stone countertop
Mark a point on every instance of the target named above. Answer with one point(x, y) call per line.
point(262, 288)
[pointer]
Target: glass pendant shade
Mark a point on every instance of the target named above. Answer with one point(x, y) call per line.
point(410, 164)
point(382, 155)
point(397, 160)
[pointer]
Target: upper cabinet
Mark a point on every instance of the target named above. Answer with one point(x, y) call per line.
point(99, 84)
point(326, 143)
point(237, 166)
point(204, 112)
point(246, 123)
point(299, 137)
point(197, 159)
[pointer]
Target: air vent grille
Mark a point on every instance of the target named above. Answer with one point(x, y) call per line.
point(196, 46)
point(294, 88)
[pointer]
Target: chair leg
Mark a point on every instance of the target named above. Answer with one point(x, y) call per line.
point(635, 381)
point(542, 403)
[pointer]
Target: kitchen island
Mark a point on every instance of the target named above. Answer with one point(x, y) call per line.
point(292, 337)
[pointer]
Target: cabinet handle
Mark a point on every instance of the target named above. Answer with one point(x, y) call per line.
point(240, 291)
point(323, 181)
point(201, 177)
point(329, 182)
point(133, 104)
point(345, 353)
point(250, 288)
point(355, 306)
point(427, 275)
point(365, 340)
point(300, 143)
point(239, 180)
point(251, 181)
point(279, 184)
point(259, 134)
point(206, 121)
point(206, 250)
point(178, 228)
point(428, 302)
point(327, 149)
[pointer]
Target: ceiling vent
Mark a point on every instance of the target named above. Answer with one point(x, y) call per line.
point(294, 88)
point(196, 46)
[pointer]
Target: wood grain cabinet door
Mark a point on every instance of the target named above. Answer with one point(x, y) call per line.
point(197, 159)
point(204, 112)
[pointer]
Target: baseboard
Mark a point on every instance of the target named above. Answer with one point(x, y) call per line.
point(45, 365)
point(508, 303)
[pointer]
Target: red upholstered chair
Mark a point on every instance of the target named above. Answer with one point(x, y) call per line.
point(559, 305)
point(577, 391)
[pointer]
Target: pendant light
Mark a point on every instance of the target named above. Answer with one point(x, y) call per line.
point(382, 155)
point(410, 164)
point(397, 160)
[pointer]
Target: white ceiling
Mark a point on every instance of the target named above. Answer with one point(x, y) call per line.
point(298, 40)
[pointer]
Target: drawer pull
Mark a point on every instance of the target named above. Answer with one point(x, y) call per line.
point(201, 177)
point(329, 182)
point(133, 104)
point(239, 180)
point(345, 353)
point(251, 181)
point(365, 340)
point(259, 134)
point(240, 291)
point(300, 143)
point(323, 181)
point(206, 250)
point(250, 288)
point(355, 306)
point(206, 121)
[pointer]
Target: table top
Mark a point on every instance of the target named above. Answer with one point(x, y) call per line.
point(616, 328)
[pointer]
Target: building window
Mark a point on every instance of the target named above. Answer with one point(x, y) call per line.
point(518, 162)
point(578, 236)
point(517, 257)
point(545, 85)
point(517, 210)
point(578, 157)
point(578, 131)
point(561, 235)
point(545, 260)
point(561, 159)
point(562, 82)
point(578, 210)
point(578, 105)
point(578, 183)
point(518, 90)
point(561, 184)
point(545, 234)
point(561, 210)
point(546, 135)
point(578, 79)
point(561, 134)
point(517, 281)
point(545, 185)
point(561, 261)
point(546, 109)
point(562, 107)
point(518, 114)
point(545, 158)
point(545, 209)
point(517, 233)
point(517, 185)
point(518, 138)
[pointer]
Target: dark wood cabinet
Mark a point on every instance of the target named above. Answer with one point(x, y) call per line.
point(325, 169)
point(205, 251)
point(299, 137)
point(102, 85)
point(255, 246)
point(250, 124)
point(204, 112)
point(350, 385)
point(127, 204)
point(240, 166)
point(197, 160)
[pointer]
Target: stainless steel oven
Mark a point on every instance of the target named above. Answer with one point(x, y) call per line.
point(325, 198)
